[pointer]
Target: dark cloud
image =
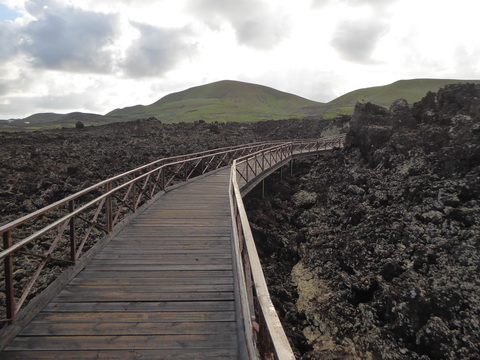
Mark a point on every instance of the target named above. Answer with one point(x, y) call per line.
point(256, 24)
point(66, 38)
point(8, 41)
point(356, 40)
point(157, 50)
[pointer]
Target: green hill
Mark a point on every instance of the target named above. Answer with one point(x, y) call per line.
point(43, 118)
point(411, 90)
point(238, 101)
point(224, 101)
point(54, 120)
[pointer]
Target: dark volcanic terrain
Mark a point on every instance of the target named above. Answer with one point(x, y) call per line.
point(372, 252)
point(38, 168)
point(41, 167)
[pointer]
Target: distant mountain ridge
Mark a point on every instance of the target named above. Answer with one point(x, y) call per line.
point(410, 90)
point(225, 100)
point(70, 118)
point(230, 100)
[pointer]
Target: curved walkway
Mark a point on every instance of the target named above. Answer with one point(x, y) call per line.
point(162, 289)
point(178, 282)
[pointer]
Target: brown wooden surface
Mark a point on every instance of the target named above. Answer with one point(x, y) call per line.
point(162, 289)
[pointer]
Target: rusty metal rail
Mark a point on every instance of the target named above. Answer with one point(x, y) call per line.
point(264, 334)
point(59, 234)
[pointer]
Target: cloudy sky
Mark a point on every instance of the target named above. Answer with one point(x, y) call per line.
point(98, 55)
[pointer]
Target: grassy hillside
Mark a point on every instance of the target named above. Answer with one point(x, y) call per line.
point(225, 101)
point(53, 120)
point(238, 101)
point(411, 90)
point(43, 118)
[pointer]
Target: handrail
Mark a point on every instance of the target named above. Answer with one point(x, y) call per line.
point(260, 320)
point(77, 221)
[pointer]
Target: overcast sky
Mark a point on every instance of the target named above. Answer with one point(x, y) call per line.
point(98, 55)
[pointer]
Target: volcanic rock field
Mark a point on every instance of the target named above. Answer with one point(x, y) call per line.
point(370, 252)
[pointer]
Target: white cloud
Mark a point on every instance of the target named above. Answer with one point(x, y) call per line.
point(68, 39)
point(97, 55)
point(257, 23)
point(157, 50)
point(356, 40)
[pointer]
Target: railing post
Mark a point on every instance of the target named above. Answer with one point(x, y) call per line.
point(134, 197)
point(73, 240)
point(162, 187)
point(8, 263)
point(108, 207)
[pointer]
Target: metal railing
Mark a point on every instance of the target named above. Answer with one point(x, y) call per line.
point(59, 234)
point(264, 334)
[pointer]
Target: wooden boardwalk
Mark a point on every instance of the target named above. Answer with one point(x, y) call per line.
point(162, 289)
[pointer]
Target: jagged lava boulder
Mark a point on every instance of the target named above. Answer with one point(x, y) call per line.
point(389, 247)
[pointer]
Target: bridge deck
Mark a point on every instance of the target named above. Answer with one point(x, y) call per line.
point(163, 288)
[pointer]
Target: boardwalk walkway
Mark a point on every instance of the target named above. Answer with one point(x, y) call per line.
point(162, 289)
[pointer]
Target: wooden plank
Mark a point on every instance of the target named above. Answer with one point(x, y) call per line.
point(174, 260)
point(165, 354)
point(141, 234)
point(151, 306)
point(166, 267)
point(186, 221)
point(153, 281)
point(134, 317)
point(159, 245)
point(181, 229)
point(131, 252)
point(152, 250)
point(136, 328)
point(160, 256)
point(66, 296)
point(181, 223)
point(164, 260)
point(161, 253)
point(148, 237)
point(177, 202)
point(160, 239)
point(195, 261)
point(168, 274)
point(140, 287)
point(198, 215)
point(197, 341)
point(185, 230)
point(170, 237)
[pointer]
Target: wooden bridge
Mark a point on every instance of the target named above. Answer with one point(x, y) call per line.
point(179, 278)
